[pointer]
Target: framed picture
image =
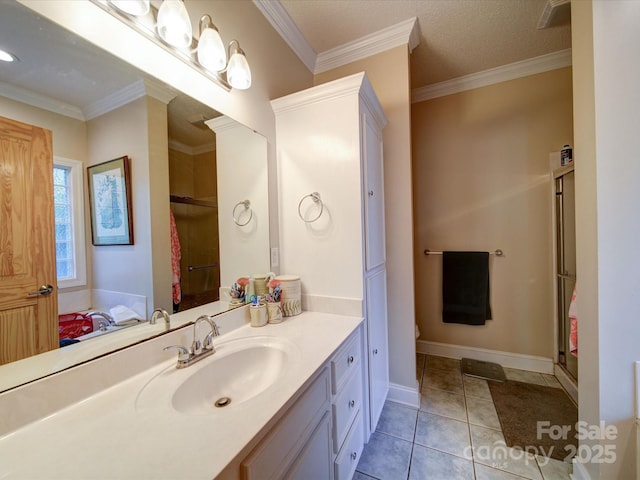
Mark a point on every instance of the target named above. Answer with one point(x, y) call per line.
point(110, 202)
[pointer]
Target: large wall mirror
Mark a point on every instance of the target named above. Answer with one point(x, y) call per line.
point(190, 167)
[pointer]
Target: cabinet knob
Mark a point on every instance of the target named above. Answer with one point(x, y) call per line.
point(352, 403)
point(350, 359)
point(354, 455)
point(371, 193)
point(375, 351)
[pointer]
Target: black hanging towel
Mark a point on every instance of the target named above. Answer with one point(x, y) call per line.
point(465, 287)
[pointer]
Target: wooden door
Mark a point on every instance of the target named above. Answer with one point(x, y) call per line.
point(28, 321)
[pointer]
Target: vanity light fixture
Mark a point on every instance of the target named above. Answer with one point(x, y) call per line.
point(173, 23)
point(173, 32)
point(132, 7)
point(7, 57)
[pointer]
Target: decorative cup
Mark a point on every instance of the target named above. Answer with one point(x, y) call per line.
point(261, 282)
point(274, 312)
point(258, 314)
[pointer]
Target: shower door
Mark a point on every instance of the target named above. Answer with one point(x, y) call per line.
point(565, 263)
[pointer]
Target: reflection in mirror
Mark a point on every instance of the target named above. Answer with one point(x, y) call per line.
point(99, 108)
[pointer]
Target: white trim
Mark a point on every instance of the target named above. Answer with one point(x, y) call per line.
point(40, 101)
point(506, 359)
point(278, 17)
point(566, 381)
point(404, 395)
point(338, 305)
point(76, 172)
point(403, 33)
point(125, 95)
point(511, 71)
point(549, 11)
point(579, 472)
point(181, 147)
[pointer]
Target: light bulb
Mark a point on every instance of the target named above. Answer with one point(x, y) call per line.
point(211, 52)
point(238, 71)
point(7, 57)
point(173, 24)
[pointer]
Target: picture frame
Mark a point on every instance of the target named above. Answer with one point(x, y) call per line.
point(110, 202)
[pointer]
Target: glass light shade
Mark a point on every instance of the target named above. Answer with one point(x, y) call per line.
point(173, 24)
point(238, 71)
point(132, 7)
point(211, 52)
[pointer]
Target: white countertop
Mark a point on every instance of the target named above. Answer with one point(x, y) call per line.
point(106, 437)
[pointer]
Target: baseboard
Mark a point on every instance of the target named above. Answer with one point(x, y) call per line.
point(506, 359)
point(404, 395)
point(579, 472)
point(567, 382)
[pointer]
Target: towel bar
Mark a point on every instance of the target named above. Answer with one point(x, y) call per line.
point(497, 252)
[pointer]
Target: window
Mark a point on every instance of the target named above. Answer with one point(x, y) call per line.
point(69, 218)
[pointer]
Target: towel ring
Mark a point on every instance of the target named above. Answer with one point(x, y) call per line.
point(247, 206)
point(315, 196)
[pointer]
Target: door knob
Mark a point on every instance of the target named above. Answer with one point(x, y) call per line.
point(42, 292)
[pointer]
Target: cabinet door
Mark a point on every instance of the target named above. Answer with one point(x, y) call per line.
point(378, 344)
point(373, 193)
point(314, 462)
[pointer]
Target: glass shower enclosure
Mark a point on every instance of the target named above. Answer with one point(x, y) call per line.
point(565, 263)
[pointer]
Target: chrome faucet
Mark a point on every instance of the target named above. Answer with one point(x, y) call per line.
point(199, 350)
point(160, 312)
point(106, 316)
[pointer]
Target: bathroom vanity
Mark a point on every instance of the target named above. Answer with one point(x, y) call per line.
point(296, 391)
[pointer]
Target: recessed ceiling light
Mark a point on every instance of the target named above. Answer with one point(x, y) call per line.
point(7, 57)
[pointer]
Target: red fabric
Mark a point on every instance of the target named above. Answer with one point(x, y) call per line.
point(73, 325)
point(175, 261)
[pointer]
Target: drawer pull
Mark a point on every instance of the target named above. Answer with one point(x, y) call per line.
point(375, 351)
point(350, 359)
point(352, 403)
point(354, 455)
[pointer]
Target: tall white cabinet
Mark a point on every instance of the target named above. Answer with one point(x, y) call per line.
point(331, 211)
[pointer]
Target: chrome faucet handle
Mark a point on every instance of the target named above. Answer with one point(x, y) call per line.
point(162, 312)
point(183, 353)
point(104, 315)
point(207, 345)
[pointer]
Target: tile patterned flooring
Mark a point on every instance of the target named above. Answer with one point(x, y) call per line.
point(454, 435)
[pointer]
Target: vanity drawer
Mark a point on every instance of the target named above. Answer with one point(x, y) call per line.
point(283, 444)
point(347, 460)
point(345, 406)
point(345, 361)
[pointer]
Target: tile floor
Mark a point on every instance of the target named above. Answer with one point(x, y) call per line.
point(454, 435)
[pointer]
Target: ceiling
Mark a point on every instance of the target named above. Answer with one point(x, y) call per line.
point(60, 71)
point(457, 37)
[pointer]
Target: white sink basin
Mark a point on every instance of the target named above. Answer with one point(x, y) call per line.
point(240, 370)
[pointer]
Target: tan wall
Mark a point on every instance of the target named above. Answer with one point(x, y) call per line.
point(69, 135)
point(481, 182)
point(129, 269)
point(389, 76)
point(195, 176)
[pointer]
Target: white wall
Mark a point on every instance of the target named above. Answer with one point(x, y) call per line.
point(242, 172)
point(605, 42)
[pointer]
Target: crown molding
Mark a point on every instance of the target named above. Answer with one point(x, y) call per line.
point(406, 32)
point(188, 150)
point(131, 92)
point(222, 123)
point(288, 30)
point(511, 71)
point(40, 101)
point(549, 12)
